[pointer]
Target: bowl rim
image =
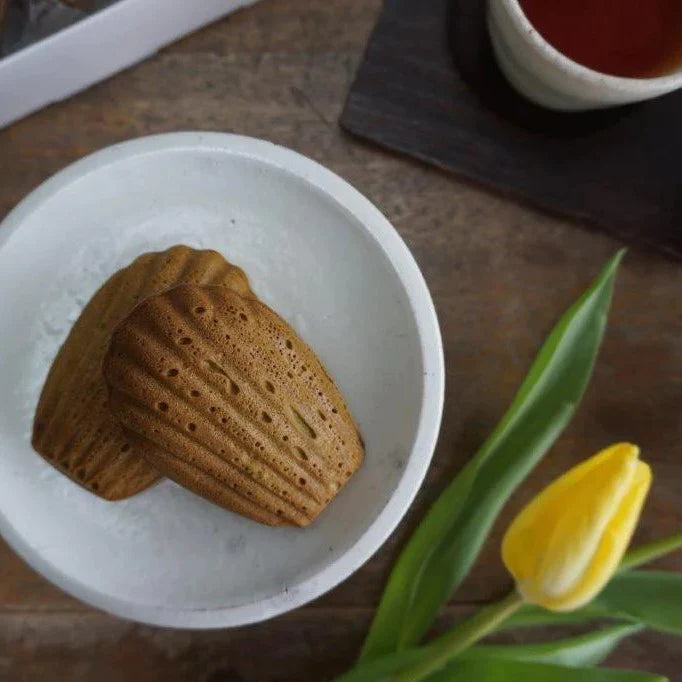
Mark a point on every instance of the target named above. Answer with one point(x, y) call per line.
point(403, 263)
point(583, 73)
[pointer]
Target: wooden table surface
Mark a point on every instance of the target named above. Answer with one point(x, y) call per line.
point(500, 274)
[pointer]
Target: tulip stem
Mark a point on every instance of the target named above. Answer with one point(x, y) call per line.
point(462, 637)
point(654, 550)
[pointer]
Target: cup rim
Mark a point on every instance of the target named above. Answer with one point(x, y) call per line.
point(584, 73)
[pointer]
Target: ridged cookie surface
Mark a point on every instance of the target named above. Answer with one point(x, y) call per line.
point(73, 428)
point(240, 409)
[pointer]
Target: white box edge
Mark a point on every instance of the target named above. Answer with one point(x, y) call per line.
point(97, 47)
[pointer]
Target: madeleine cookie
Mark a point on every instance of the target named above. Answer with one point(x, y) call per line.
point(239, 408)
point(73, 428)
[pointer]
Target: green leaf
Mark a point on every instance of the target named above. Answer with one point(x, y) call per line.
point(651, 551)
point(447, 542)
point(532, 616)
point(495, 670)
point(559, 661)
point(652, 598)
point(581, 651)
point(384, 668)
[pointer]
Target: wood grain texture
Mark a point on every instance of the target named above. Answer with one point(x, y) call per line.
point(429, 86)
point(500, 274)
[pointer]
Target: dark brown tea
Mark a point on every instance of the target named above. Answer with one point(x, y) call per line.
point(632, 38)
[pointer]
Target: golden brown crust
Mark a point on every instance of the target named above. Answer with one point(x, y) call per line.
point(240, 409)
point(73, 428)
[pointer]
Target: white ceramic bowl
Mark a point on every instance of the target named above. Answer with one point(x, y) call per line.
point(320, 254)
point(544, 75)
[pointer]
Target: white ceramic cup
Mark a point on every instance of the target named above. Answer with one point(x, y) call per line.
point(549, 78)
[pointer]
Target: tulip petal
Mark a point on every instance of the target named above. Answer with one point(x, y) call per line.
point(566, 543)
point(613, 545)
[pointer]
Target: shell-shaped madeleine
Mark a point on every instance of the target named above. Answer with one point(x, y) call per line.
point(73, 428)
point(239, 408)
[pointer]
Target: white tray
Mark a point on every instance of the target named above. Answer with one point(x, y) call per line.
point(97, 47)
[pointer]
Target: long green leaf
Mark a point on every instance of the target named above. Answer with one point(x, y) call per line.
point(532, 616)
point(517, 671)
point(384, 668)
point(652, 598)
point(575, 652)
point(654, 550)
point(582, 651)
point(444, 547)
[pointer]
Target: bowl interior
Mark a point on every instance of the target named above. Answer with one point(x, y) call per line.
point(310, 258)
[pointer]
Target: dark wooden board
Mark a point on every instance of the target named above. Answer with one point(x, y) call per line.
point(428, 86)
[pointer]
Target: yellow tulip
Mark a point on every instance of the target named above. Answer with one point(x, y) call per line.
point(566, 544)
